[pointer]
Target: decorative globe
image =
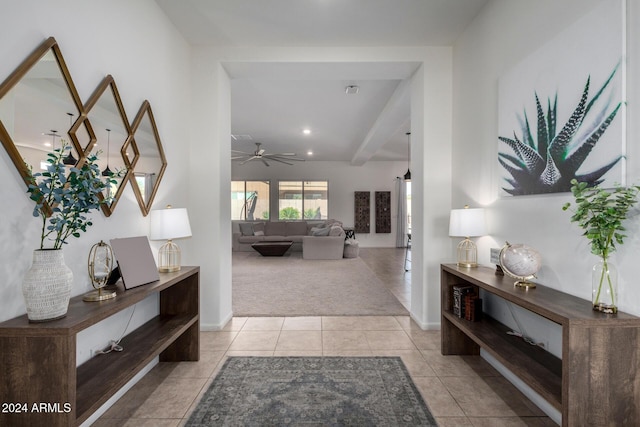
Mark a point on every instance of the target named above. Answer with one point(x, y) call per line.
point(520, 262)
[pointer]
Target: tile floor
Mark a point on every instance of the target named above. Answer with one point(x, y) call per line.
point(459, 390)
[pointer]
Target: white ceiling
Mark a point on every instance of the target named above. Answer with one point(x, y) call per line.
point(273, 102)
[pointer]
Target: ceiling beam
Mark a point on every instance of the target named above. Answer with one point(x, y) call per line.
point(395, 114)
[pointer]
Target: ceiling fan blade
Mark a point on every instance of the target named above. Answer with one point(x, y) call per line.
point(283, 154)
point(275, 159)
point(277, 156)
point(264, 161)
point(240, 157)
point(249, 159)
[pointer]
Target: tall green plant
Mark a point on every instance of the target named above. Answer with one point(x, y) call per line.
point(600, 213)
point(64, 197)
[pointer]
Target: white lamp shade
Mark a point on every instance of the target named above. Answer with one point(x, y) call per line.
point(467, 223)
point(170, 223)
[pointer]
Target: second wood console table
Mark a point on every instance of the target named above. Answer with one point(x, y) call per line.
point(597, 381)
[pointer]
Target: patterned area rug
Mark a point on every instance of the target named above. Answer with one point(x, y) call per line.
point(312, 391)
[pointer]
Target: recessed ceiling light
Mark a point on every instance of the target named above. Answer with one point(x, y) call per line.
point(309, 153)
point(351, 90)
point(306, 131)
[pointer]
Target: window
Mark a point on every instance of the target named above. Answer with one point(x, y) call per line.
point(250, 200)
point(303, 200)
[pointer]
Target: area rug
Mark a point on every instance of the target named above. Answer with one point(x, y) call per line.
point(312, 391)
point(292, 286)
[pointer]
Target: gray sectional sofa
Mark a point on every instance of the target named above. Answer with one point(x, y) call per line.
point(316, 240)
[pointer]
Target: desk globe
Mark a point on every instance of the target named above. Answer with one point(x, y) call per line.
point(520, 262)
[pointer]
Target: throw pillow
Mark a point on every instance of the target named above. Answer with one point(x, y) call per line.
point(258, 227)
point(258, 233)
point(335, 231)
point(246, 228)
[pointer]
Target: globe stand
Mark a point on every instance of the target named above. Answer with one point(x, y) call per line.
point(523, 283)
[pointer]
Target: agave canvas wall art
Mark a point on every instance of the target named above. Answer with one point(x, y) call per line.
point(560, 109)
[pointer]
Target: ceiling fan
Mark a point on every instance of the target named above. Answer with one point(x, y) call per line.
point(260, 154)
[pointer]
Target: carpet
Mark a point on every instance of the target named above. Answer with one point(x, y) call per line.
point(312, 391)
point(292, 286)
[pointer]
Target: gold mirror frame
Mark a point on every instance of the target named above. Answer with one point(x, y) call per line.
point(34, 77)
point(107, 120)
point(149, 162)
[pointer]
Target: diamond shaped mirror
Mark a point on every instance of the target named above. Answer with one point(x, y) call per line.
point(107, 120)
point(150, 163)
point(38, 103)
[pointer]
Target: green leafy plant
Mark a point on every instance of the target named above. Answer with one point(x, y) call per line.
point(64, 196)
point(600, 213)
point(548, 163)
point(289, 213)
point(312, 213)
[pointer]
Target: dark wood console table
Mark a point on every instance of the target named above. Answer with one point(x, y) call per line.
point(597, 381)
point(38, 360)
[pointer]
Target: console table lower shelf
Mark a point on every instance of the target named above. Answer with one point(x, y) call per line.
point(597, 381)
point(38, 360)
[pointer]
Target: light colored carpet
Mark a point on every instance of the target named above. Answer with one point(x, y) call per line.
point(292, 286)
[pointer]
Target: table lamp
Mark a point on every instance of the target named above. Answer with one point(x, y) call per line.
point(467, 223)
point(168, 224)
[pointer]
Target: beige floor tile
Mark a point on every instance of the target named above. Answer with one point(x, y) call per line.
point(138, 422)
point(299, 340)
point(313, 323)
point(413, 361)
point(425, 340)
point(347, 353)
point(489, 397)
point(344, 340)
point(201, 369)
point(249, 353)
point(263, 324)
point(360, 323)
point(235, 324)
point(454, 422)
point(298, 353)
point(456, 366)
point(389, 340)
point(216, 341)
point(255, 340)
point(437, 397)
point(511, 422)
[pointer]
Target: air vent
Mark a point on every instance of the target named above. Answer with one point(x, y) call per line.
point(242, 137)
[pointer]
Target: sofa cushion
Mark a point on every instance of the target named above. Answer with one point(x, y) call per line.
point(275, 228)
point(336, 230)
point(296, 228)
point(258, 228)
point(317, 231)
point(246, 228)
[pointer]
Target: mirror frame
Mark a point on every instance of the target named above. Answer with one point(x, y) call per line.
point(15, 77)
point(145, 109)
point(107, 83)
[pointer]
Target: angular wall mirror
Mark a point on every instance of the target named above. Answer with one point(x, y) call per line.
point(150, 163)
point(107, 120)
point(38, 106)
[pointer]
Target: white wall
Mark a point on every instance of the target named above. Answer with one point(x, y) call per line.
point(504, 33)
point(344, 179)
point(136, 43)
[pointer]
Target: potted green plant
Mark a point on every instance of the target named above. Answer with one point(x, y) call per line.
point(601, 212)
point(63, 197)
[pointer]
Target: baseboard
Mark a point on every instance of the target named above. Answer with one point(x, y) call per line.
point(425, 326)
point(216, 326)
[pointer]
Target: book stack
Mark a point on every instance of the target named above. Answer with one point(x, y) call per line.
point(459, 293)
point(472, 307)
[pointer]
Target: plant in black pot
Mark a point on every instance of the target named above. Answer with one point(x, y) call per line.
point(601, 212)
point(63, 197)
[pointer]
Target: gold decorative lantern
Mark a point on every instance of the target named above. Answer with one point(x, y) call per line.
point(100, 264)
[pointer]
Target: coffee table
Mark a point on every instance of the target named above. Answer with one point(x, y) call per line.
point(272, 248)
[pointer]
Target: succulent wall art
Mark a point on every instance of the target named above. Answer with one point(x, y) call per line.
point(561, 110)
point(546, 159)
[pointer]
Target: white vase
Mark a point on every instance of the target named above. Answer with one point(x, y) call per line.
point(47, 286)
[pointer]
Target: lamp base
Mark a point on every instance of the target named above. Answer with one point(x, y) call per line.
point(467, 254)
point(98, 295)
point(169, 258)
